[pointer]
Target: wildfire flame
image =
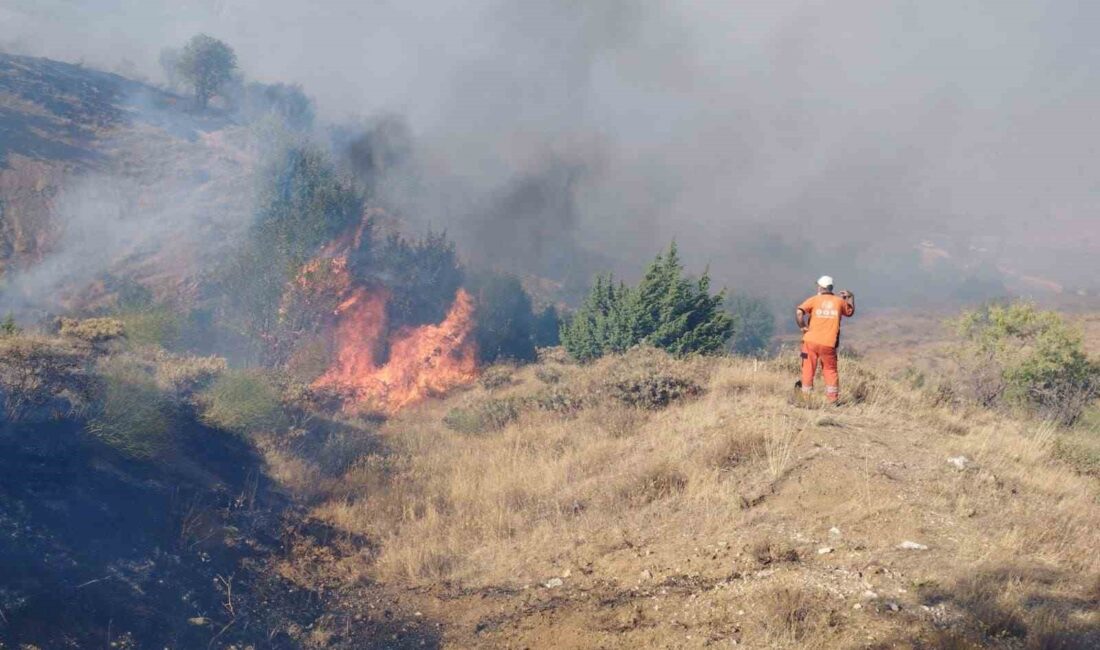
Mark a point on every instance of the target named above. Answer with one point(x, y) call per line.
point(423, 361)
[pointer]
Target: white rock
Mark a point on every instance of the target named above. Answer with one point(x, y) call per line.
point(553, 582)
point(912, 546)
point(960, 462)
point(857, 606)
point(834, 531)
point(824, 550)
point(566, 573)
point(869, 595)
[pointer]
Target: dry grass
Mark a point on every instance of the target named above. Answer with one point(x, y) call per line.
point(732, 466)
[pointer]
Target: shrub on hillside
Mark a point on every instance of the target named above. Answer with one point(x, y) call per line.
point(666, 310)
point(9, 327)
point(96, 332)
point(156, 325)
point(484, 416)
point(243, 402)
point(132, 414)
point(184, 376)
point(497, 376)
point(558, 399)
point(648, 378)
point(1017, 354)
point(42, 374)
point(548, 374)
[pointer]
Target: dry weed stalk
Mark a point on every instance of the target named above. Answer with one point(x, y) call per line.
point(780, 442)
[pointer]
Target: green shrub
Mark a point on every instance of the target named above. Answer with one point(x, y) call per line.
point(243, 402)
point(154, 325)
point(484, 416)
point(1017, 354)
point(9, 327)
point(666, 310)
point(132, 414)
point(650, 379)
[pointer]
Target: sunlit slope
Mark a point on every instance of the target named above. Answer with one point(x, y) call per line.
point(648, 502)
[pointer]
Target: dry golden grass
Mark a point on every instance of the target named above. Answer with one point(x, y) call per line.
point(688, 498)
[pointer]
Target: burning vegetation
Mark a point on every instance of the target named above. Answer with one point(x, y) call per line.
point(375, 366)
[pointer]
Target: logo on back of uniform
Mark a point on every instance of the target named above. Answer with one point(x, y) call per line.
point(827, 310)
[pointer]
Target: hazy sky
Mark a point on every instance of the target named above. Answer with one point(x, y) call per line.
point(769, 137)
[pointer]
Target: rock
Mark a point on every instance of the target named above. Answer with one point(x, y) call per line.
point(869, 595)
point(198, 620)
point(960, 462)
point(824, 550)
point(893, 607)
point(553, 582)
point(908, 545)
point(834, 532)
point(857, 606)
point(566, 573)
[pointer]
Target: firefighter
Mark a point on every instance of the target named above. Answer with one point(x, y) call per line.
point(819, 319)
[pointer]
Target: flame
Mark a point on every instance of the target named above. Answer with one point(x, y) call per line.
point(423, 361)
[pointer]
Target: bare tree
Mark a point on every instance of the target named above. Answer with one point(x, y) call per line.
point(206, 64)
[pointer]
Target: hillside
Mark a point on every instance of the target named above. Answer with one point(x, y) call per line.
point(282, 421)
point(563, 512)
point(100, 174)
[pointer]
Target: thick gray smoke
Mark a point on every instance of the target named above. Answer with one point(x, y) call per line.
point(774, 140)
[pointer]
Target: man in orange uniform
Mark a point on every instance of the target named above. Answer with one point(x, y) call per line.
point(819, 319)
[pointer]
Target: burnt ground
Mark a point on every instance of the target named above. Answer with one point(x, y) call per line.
point(54, 111)
point(97, 549)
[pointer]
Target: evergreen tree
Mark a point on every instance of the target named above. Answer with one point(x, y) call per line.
point(505, 321)
point(666, 310)
point(755, 324)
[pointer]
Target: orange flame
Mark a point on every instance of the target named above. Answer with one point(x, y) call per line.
point(423, 361)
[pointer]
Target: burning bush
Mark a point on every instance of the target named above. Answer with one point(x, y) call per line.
point(305, 204)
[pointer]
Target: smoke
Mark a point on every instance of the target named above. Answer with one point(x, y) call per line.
point(775, 141)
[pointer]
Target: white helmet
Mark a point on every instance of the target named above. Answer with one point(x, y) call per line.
point(825, 281)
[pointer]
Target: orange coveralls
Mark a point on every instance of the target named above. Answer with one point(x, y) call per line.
point(821, 339)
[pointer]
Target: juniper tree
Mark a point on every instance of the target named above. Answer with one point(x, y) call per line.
point(666, 310)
